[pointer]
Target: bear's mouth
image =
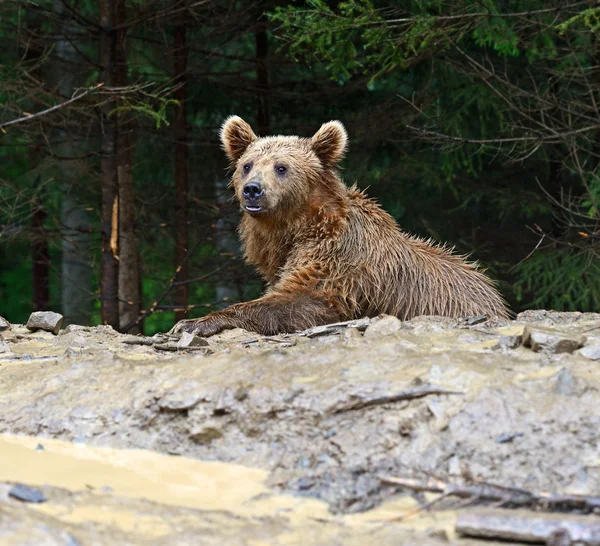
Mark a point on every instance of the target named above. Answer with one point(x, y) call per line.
point(253, 209)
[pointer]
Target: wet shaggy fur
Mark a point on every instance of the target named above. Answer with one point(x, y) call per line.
point(327, 252)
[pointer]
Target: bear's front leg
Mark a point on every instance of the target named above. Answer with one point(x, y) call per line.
point(269, 315)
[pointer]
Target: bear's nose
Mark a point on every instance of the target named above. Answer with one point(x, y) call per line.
point(252, 190)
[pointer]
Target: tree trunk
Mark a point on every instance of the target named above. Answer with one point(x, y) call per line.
point(180, 52)
point(129, 273)
point(228, 290)
point(76, 290)
point(109, 284)
point(228, 245)
point(262, 78)
point(40, 257)
point(40, 251)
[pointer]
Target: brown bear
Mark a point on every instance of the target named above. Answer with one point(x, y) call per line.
point(327, 252)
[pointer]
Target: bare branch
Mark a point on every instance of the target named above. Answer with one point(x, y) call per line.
point(29, 117)
point(554, 138)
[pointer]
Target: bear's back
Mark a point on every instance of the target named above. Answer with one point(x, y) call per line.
point(381, 269)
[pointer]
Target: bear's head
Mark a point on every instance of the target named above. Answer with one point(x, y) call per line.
point(278, 174)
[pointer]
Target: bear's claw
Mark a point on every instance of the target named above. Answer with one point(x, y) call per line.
point(203, 327)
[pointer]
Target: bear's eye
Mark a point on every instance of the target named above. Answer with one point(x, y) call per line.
point(281, 169)
point(246, 168)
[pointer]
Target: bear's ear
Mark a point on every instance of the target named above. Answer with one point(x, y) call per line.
point(329, 143)
point(236, 136)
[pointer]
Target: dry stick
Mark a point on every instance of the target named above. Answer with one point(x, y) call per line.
point(51, 109)
point(525, 526)
point(491, 15)
point(528, 255)
point(172, 284)
point(390, 398)
point(166, 291)
point(541, 138)
point(511, 496)
point(555, 201)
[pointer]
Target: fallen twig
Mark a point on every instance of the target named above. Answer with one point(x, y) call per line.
point(251, 341)
point(173, 347)
point(503, 496)
point(337, 327)
point(524, 526)
point(363, 402)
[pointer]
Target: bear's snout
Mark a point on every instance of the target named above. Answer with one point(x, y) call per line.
point(253, 193)
point(253, 190)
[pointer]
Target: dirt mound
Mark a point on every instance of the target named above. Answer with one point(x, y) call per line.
point(310, 425)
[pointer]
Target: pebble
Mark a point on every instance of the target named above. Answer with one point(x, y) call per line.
point(25, 493)
point(472, 321)
point(45, 320)
point(191, 340)
point(75, 328)
point(207, 432)
point(507, 437)
point(509, 342)
point(179, 400)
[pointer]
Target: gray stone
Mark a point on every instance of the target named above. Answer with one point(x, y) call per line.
point(206, 432)
point(25, 493)
point(191, 340)
point(509, 342)
point(76, 328)
point(472, 321)
point(551, 340)
point(454, 466)
point(591, 351)
point(566, 383)
point(4, 324)
point(179, 400)
point(78, 341)
point(385, 326)
point(45, 320)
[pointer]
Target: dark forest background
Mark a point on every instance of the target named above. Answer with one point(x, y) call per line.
point(473, 122)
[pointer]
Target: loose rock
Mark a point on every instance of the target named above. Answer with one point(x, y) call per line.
point(509, 342)
point(4, 324)
point(207, 432)
point(472, 321)
point(25, 493)
point(191, 340)
point(179, 400)
point(543, 339)
point(385, 326)
point(591, 351)
point(45, 320)
point(76, 328)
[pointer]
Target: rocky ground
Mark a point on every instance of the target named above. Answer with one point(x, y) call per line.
point(330, 436)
